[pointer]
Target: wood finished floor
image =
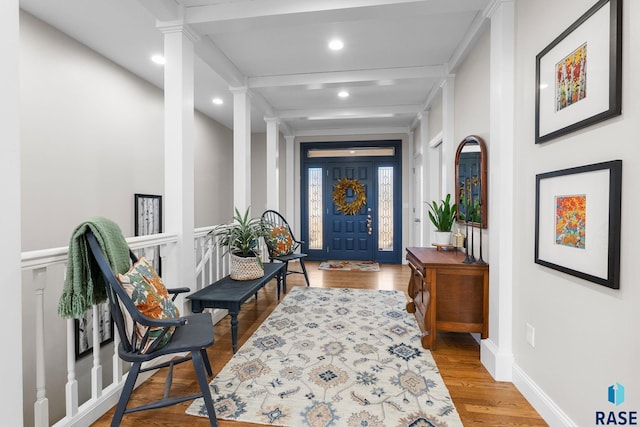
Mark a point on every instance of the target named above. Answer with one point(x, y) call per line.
point(479, 399)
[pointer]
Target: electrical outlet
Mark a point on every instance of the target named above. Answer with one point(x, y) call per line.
point(531, 335)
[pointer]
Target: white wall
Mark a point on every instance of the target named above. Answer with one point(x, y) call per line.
point(586, 335)
point(472, 93)
point(213, 196)
point(92, 136)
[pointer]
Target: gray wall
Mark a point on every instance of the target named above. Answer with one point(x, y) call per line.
point(92, 136)
point(586, 335)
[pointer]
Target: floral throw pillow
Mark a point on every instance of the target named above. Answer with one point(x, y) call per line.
point(150, 296)
point(280, 241)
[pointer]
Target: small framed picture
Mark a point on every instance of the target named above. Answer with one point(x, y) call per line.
point(578, 221)
point(148, 220)
point(84, 330)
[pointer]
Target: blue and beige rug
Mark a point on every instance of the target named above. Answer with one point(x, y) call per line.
point(334, 357)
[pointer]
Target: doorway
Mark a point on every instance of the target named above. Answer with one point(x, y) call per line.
point(351, 201)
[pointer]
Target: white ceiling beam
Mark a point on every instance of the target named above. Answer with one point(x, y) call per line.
point(221, 12)
point(236, 16)
point(163, 10)
point(349, 113)
point(386, 130)
point(347, 76)
point(218, 61)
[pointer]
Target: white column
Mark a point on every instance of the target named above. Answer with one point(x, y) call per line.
point(10, 245)
point(241, 148)
point(179, 150)
point(448, 144)
point(430, 167)
point(290, 181)
point(273, 161)
point(496, 352)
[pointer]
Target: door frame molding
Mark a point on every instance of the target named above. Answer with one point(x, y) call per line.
point(395, 160)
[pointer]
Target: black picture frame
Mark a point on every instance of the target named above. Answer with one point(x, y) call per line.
point(596, 35)
point(84, 330)
point(148, 220)
point(595, 254)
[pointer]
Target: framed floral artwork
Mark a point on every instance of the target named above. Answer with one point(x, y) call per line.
point(579, 74)
point(577, 225)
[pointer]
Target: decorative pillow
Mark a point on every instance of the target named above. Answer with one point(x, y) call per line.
point(280, 241)
point(150, 296)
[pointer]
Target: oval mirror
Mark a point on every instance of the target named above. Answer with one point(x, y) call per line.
point(471, 181)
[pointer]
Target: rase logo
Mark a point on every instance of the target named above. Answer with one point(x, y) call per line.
point(615, 395)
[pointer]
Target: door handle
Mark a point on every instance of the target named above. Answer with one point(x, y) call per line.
point(369, 225)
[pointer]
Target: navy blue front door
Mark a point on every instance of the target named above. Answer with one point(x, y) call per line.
point(350, 236)
point(374, 232)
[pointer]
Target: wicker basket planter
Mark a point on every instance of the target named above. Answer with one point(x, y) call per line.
point(246, 268)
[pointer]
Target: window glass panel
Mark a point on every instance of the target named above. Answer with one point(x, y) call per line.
point(315, 208)
point(385, 208)
point(352, 152)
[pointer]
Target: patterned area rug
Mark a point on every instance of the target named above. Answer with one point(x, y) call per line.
point(334, 357)
point(349, 265)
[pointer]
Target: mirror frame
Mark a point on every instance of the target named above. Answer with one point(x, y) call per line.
point(483, 179)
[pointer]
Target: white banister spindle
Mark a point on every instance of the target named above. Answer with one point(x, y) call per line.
point(71, 388)
point(96, 370)
point(41, 406)
point(117, 362)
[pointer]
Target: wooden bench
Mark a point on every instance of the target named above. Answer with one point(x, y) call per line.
point(230, 294)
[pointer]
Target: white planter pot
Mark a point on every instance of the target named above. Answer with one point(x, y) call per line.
point(245, 268)
point(442, 237)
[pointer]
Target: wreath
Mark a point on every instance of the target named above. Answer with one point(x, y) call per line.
point(340, 195)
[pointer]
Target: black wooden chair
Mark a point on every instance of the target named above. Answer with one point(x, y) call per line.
point(281, 242)
point(192, 335)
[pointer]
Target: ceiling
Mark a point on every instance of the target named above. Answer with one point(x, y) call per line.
point(396, 53)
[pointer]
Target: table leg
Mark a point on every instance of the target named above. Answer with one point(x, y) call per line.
point(284, 281)
point(234, 331)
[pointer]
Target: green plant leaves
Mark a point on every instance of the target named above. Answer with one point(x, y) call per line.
point(442, 215)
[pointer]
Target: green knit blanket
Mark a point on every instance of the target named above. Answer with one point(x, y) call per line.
point(84, 284)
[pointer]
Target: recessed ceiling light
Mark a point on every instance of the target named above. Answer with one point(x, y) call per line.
point(343, 94)
point(217, 101)
point(336, 44)
point(158, 59)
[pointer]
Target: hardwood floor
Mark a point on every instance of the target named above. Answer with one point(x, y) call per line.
point(480, 400)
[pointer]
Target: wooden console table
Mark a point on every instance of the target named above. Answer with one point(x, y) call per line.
point(231, 294)
point(447, 295)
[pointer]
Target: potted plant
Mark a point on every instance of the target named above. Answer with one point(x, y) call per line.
point(443, 216)
point(240, 240)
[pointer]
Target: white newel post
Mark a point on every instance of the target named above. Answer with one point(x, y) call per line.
point(179, 152)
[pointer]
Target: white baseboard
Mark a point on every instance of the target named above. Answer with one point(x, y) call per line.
point(499, 364)
point(542, 403)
